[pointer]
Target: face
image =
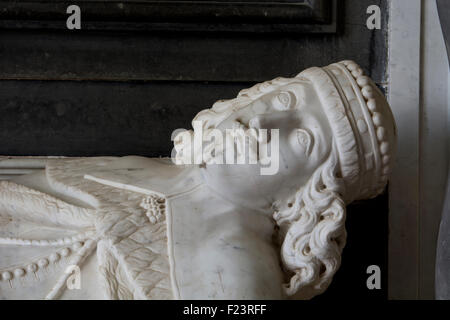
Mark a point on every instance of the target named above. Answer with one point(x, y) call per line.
point(305, 141)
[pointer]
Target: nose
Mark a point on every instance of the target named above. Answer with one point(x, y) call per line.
point(272, 120)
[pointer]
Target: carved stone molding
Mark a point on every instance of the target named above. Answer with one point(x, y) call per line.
point(312, 16)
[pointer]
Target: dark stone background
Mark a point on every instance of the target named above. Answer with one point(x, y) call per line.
point(91, 93)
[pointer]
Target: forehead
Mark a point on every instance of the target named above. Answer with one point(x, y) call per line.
point(269, 86)
point(298, 86)
point(295, 83)
point(303, 90)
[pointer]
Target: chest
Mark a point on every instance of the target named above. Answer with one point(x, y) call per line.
point(220, 251)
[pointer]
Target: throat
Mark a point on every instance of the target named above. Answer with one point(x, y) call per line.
point(249, 201)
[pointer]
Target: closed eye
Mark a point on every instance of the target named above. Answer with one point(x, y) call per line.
point(285, 100)
point(301, 141)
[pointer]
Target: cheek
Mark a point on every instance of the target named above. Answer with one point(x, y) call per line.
point(292, 156)
point(297, 156)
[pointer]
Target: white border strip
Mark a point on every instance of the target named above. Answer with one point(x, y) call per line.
point(404, 98)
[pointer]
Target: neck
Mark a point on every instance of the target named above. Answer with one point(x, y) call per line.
point(239, 198)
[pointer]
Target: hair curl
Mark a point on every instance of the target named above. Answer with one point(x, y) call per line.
point(313, 231)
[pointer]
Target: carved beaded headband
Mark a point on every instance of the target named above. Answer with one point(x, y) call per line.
point(362, 123)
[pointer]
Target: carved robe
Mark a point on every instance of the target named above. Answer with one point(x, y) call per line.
point(112, 218)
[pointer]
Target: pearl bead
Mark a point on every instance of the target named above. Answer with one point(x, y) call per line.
point(381, 133)
point(376, 117)
point(32, 267)
point(363, 81)
point(19, 272)
point(43, 263)
point(384, 148)
point(372, 104)
point(6, 275)
point(54, 257)
point(386, 159)
point(367, 92)
point(352, 66)
point(65, 252)
point(357, 72)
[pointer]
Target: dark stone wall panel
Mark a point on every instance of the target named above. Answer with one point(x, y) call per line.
point(130, 56)
point(73, 118)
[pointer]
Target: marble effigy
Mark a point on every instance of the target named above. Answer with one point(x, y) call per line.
point(151, 228)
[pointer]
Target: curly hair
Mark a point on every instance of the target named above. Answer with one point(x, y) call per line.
point(313, 233)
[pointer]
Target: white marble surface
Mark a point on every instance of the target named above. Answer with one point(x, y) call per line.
point(149, 229)
point(418, 84)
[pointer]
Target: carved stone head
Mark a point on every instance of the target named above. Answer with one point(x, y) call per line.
point(336, 140)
